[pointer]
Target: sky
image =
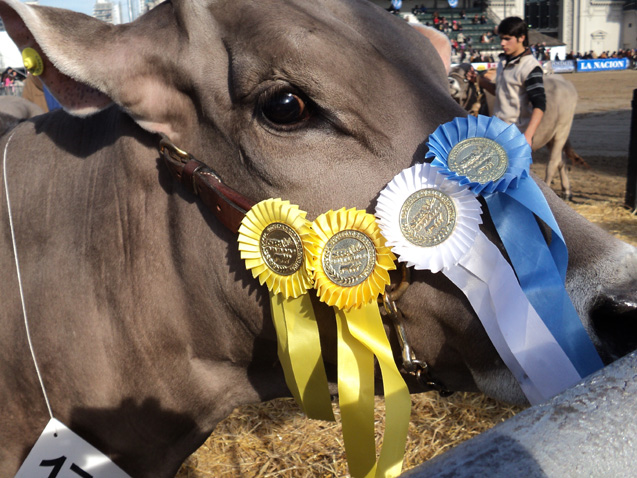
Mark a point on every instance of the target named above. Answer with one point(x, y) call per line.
point(83, 6)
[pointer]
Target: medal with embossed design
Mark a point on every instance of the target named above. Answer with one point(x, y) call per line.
point(353, 262)
point(429, 222)
point(433, 223)
point(351, 265)
point(492, 158)
point(274, 242)
point(427, 217)
point(479, 159)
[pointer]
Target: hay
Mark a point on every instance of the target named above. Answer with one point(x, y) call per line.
point(612, 217)
point(276, 440)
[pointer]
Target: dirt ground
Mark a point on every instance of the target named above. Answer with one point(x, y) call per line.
point(275, 440)
point(601, 135)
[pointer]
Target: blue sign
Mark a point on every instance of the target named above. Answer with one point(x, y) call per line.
point(564, 66)
point(602, 65)
point(453, 3)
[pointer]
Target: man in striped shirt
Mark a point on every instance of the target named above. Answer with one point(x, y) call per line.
point(519, 88)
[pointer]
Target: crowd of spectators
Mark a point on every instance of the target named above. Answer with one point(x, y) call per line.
point(543, 53)
point(11, 82)
point(462, 43)
point(591, 55)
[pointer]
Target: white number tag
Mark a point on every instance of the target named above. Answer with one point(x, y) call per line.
point(60, 453)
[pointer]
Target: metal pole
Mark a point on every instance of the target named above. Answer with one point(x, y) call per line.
point(631, 176)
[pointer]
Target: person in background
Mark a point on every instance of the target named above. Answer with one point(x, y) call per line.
point(519, 88)
point(34, 91)
point(395, 6)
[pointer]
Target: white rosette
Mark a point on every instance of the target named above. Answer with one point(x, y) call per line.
point(433, 235)
point(446, 253)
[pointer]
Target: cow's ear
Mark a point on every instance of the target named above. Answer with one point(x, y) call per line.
point(88, 64)
point(439, 40)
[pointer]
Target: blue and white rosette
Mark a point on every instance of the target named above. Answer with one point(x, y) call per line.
point(514, 201)
point(432, 223)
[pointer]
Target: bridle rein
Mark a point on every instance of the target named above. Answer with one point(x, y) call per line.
point(230, 207)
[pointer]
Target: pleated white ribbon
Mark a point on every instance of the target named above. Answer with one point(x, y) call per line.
point(410, 214)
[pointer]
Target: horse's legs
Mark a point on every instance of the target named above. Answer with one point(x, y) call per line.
point(557, 163)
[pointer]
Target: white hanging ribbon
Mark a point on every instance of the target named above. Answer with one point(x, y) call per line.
point(475, 265)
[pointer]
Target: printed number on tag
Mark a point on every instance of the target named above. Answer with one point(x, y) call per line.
point(57, 464)
point(60, 453)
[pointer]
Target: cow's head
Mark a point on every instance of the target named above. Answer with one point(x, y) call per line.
point(257, 89)
point(319, 102)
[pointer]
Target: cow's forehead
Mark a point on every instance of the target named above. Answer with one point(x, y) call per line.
point(309, 43)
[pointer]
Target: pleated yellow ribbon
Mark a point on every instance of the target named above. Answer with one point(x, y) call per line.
point(350, 268)
point(274, 240)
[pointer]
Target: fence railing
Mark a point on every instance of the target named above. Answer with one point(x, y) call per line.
point(12, 90)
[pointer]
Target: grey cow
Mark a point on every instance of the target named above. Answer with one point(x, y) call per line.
point(554, 130)
point(146, 325)
point(14, 109)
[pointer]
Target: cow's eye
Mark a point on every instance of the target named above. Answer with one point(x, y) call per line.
point(285, 108)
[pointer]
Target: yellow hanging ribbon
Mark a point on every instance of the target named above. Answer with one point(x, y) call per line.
point(351, 267)
point(274, 240)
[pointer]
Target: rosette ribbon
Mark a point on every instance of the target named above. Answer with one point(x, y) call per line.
point(432, 223)
point(492, 159)
point(351, 267)
point(274, 240)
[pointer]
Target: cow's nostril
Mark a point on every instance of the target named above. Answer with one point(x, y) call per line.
point(614, 319)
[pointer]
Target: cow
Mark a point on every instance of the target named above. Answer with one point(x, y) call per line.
point(14, 109)
point(554, 130)
point(147, 327)
point(464, 89)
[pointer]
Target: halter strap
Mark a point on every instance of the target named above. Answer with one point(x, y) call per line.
point(228, 205)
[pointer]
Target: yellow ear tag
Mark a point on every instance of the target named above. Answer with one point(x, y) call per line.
point(32, 61)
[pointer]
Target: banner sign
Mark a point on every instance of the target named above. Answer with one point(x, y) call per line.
point(602, 65)
point(564, 66)
point(484, 66)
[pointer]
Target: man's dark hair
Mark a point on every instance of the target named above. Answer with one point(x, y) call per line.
point(515, 27)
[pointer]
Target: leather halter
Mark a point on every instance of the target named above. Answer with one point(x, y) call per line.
point(230, 207)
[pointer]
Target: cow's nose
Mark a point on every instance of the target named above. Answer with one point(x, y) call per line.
point(614, 320)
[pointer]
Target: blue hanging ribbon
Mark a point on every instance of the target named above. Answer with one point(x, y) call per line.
point(541, 268)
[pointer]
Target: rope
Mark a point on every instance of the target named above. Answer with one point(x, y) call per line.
point(17, 266)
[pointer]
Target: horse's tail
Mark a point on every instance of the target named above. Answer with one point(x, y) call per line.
point(575, 158)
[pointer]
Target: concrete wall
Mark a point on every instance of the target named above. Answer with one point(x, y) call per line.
point(629, 30)
point(589, 430)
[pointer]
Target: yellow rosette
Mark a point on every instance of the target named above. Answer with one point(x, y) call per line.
point(351, 268)
point(274, 241)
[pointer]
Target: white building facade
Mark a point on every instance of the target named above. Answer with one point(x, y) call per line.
point(583, 25)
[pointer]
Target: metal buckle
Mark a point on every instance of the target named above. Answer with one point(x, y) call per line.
point(166, 146)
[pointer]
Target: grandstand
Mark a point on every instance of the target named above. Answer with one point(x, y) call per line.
point(469, 29)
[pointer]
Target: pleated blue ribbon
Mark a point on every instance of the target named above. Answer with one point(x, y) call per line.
point(514, 202)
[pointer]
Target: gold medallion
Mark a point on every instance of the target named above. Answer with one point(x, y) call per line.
point(281, 248)
point(349, 258)
point(479, 159)
point(427, 218)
